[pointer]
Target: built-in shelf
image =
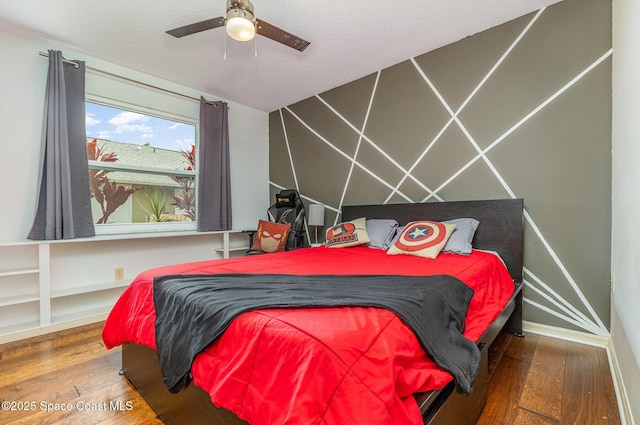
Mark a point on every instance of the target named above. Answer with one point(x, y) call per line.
point(234, 250)
point(18, 272)
point(20, 299)
point(88, 312)
point(46, 283)
point(7, 330)
point(66, 292)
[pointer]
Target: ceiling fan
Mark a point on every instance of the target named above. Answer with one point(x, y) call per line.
point(241, 25)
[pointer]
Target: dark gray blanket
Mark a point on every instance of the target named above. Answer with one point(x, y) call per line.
point(193, 310)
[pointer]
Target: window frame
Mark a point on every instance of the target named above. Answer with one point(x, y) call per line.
point(150, 227)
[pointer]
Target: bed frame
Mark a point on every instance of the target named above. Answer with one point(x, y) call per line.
point(500, 230)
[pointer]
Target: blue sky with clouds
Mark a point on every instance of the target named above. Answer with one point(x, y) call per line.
point(108, 123)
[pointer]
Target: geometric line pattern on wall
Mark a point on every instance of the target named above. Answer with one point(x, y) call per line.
point(350, 158)
point(387, 156)
point(560, 307)
point(286, 141)
point(454, 115)
point(482, 153)
point(598, 328)
point(571, 314)
point(360, 137)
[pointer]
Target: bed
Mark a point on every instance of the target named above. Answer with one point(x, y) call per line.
point(391, 380)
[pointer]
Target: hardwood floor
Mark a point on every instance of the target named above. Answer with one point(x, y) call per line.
point(70, 378)
point(542, 380)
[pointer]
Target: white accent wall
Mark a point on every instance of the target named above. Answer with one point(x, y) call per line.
point(46, 287)
point(22, 84)
point(625, 235)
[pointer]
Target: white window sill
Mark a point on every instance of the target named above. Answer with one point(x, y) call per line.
point(126, 236)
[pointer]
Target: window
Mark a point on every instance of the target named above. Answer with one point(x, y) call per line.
point(141, 170)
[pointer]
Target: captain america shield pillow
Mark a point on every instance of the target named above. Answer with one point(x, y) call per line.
point(422, 239)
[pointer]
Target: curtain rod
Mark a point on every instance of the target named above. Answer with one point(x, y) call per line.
point(120, 77)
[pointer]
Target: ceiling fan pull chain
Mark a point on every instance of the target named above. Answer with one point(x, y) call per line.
point(225, 47)
point(255, 43)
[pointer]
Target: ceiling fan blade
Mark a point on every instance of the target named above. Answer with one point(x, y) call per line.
point(197, 27)
point(281, 36)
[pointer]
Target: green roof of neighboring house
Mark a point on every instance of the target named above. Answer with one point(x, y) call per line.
point(144, 156)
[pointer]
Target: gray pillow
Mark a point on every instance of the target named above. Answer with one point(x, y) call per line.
point(399, 231)
point(381, 232)
point(460, 240)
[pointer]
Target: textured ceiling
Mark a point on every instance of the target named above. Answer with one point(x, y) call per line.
point(348, 39)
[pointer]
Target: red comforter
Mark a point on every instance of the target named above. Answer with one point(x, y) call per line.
point(319, 366)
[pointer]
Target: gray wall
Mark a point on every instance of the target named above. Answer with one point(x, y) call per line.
point(520, 110)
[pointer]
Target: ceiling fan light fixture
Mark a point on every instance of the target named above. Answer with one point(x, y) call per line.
point(240, 28)
point(240, 24)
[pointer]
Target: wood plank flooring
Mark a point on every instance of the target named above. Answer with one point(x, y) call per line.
point(542, 380)
point(70, 378)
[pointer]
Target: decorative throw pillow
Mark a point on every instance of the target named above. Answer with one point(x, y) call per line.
point(422, 238)
point(271, 237)
point(381, 232)
point(460, 240)
point(348, 233)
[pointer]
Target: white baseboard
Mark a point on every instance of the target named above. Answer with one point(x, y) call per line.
point(52, 328)
point(626, 418)
point(567, 334)
point(594, 340)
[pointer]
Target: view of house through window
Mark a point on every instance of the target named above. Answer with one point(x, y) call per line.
point(141, 167)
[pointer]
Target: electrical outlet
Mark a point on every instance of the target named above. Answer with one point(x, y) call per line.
point(118, 273)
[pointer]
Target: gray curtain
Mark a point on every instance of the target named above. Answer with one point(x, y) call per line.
point(64, 200)
point(214, 182)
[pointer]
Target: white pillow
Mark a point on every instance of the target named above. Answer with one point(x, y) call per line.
point(348, 233)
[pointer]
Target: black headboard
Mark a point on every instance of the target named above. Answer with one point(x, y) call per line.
point(501, 223)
